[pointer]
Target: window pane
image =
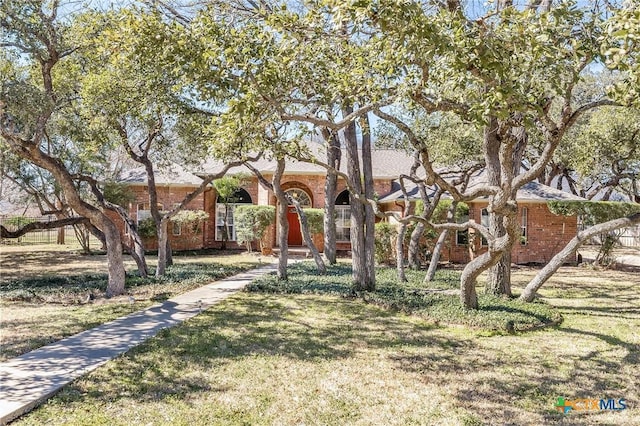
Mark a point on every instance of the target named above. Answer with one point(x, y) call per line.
point(343, 223)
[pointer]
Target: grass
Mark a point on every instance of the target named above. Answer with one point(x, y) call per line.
point(438, 301)
point(39, 307)
point(319, 359)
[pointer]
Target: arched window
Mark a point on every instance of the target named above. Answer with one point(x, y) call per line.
point(225, 229)
point(343, 217)
point(300, 195)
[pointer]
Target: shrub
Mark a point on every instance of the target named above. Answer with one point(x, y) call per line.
point(19, 221)
point(386, 234)
point(251, 223)
point(191, 218)
point(147, 228)
point(315, 219)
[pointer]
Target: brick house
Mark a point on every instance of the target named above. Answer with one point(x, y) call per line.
point(305, 181)
point(544, 233)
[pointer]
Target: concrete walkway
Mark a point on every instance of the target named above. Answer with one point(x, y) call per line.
point(28, 380)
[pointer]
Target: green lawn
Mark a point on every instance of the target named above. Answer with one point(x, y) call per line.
point(267, 358)
point(43, 304)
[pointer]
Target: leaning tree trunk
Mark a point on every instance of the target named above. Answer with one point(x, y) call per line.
point(402, 230)
point(99, 220)
point(442, 239)
point(469, 278)
point(369, 214)
point(569, 250)
point(330, 189)
point(306, 235)
point(283, 223)
point(435, 257)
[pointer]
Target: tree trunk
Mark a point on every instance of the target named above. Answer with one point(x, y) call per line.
point(330, 188)
point(137, 247)
point(283, 223)
point(169, 250)
point(369, 214)
point(358, 254)
point(499, 279)
point(435, 257)
point(402, 230)
point(569, 250)
point(306, 235)
point(469, 277)
point(414, 246)
point(163, 236)
point(442, 239)
point(115, 265)
point(32, 153)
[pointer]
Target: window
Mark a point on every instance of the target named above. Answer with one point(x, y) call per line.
point(523, 226)
point(224, 222)
point(142, 213)
point(343, 223)
point(343, 217)
point(462, 237)
point(225, 230)
point(301, 196)
point(484, 221)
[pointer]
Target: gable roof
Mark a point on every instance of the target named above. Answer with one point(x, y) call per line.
point(386, 164)
point(534, 192)
point(173, 174)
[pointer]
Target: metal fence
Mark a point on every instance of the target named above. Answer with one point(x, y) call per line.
point(627, 237)
point(630, 237)
point(38, 236)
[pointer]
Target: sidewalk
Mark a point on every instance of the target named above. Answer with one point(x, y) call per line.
point(28, 380)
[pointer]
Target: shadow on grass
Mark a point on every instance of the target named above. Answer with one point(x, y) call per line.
point(633, 350)
point(64, 287)
point(303, 328)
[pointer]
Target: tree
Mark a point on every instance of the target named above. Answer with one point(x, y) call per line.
point(502, 68)
point(154, 124)
point(32, 98)
point(286, 68)
point(251, 223)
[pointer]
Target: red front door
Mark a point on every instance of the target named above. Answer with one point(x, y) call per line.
point(295, 235)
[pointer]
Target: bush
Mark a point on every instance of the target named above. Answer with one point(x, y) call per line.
point(147, 228)
point(439, 301)
point(191, 218)
point(315, 219)
point(251, 223)
point(386, 235)
point(19, 221)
